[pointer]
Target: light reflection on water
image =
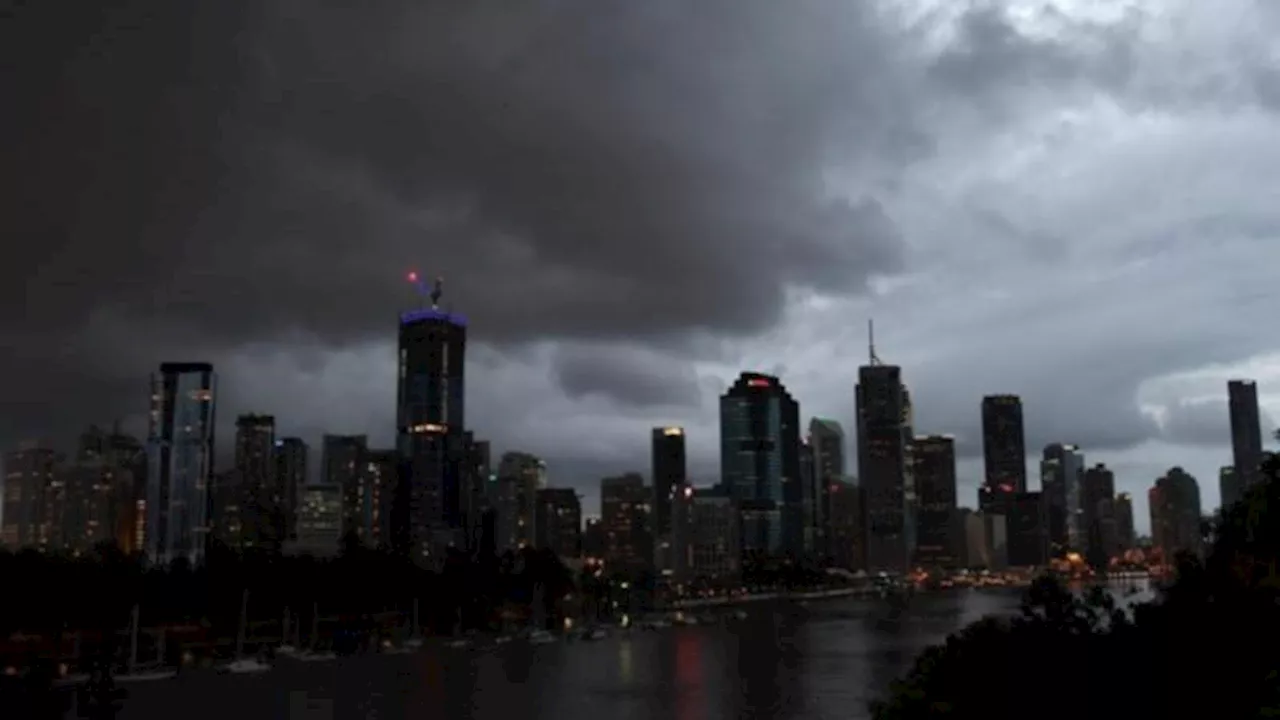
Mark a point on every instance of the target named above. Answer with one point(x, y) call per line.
point(786, 661)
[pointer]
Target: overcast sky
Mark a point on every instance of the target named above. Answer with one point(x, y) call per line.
point(1076, 201)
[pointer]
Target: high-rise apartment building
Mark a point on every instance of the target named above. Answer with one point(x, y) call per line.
point(558, 521)
point(260, 500)
point(180, 447)
point(760, 464)
point(520, 477)
point(625, 517)
point(1246, 430)
point(319, 521)
point(884, 467)
point(1175, 514)
point(28, 479)
point(1004, 450)
point(933, 459)
point(368, 510)
point(430, 431)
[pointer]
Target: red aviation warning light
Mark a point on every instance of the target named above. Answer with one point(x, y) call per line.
point(412, 276)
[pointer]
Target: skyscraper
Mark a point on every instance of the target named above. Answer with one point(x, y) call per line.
point(341, 466)
point(180, 445)
point(259, 499)
point(934, 470)
point(1004, 450)
point(1098, 522)
point(28, 475)
point(290, 459)
point(520, 477)
point(1175, 514)
point(826, 441)
point(1061, 476)
point(429, 425)
point(1126, 537)
point(1246, 430)
point(760, 463)
point(884, 435)
point(669, 480)
point(625, 519)
point(669, 474)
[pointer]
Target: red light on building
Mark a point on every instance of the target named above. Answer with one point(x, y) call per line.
point(1005, 487)
point(759, 382)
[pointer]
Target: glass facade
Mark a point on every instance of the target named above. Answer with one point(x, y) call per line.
point(180, 462)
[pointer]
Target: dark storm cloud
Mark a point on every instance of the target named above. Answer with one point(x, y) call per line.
point(208, 175)
point(631, 376)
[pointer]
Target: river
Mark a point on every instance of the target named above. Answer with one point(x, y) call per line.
point(786, 660)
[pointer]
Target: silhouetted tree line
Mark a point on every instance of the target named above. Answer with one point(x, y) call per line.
point(1206, 647)
point(48, 594)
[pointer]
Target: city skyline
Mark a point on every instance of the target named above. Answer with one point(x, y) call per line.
point(1092, 239)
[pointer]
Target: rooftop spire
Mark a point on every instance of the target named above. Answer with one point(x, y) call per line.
point(871, 342)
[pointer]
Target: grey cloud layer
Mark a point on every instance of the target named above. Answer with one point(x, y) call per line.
point(207, 178)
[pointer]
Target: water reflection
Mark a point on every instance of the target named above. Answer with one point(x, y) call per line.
point(784, 661)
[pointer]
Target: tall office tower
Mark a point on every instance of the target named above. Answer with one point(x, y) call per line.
point(1004, 450)
point(126, 455)
point(1246, 431)
point(846, 537)
point(28, 477)
point(180, 448)
point(430, 421)
point(478, 489)
point(341, 461)
point(371, 513)
point(290, 459)
point(1097, 500)
point(1027, 542)
point(625, 518)
point(1126, 537)
point(1175, 515)
point(826, 437)
point(933, 460)
point(669, 474)
point(1230, 486)
point(809, 503)
point(760, 463)
point(1061, 475)
point(520, 476)
point(558, 519)
point(888, 493)
point(259, 499)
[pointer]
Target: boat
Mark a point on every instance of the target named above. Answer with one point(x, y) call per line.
point(502, 640)
point(541, 637)
point(459, 644)
point(415, 634)
point(150, 672)
point(244, 665)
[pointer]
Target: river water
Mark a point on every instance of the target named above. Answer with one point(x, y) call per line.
point(786, 660)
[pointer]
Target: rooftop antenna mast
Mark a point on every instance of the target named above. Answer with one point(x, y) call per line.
point(436, 291)
point(871, 342)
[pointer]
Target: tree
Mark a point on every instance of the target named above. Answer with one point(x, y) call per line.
point(1203, 649)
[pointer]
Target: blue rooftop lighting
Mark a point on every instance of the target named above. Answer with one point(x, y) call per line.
point(415, 316)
